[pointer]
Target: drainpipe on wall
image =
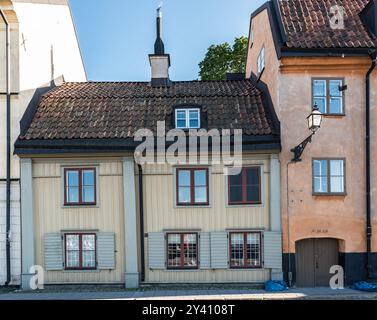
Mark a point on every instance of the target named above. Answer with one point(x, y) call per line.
point(141, 205)
point(8, 178)
point(373, 56)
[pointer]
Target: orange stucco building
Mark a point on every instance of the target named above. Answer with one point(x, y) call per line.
point(306, 53)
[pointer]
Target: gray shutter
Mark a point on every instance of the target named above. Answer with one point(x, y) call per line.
point(106, 250)
point(205, 250)
point(156, 250)
point(53, 251)
point(273, 250)
point(219, 250)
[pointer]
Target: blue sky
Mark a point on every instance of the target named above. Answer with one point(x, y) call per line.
point(116, 36)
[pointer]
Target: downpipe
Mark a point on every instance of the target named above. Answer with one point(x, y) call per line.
point(8, 144)
point(369, 231)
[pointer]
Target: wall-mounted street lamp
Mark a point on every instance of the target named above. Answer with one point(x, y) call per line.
point(314, 123)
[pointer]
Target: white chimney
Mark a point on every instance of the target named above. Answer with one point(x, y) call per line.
point(159, 61)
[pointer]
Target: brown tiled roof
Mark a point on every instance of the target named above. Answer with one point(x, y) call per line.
point(100, 110)
point(307, 24)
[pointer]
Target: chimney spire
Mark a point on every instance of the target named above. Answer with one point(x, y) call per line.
point(159, 47)
point(160, 61)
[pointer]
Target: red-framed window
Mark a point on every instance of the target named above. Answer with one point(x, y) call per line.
point(80, 186)
point(245, 188)
point(80, 251)
point(182, 249)
point(192, 186)
point(245, 250)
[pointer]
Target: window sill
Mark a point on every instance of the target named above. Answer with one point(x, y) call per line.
point(329, 195)
point(86, 206)
point(235, 206)
point(334, 115)
point(82, 271)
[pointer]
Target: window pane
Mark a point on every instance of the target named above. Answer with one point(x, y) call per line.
point(252, 176)
point(336, 105)
point(184, 195)
point(336, 167)
point(334, 88)
point(184, 178)
point(237, 255)
point(88, 259)
point(181, 115)
point(200, 194)
point(72, 251)
point(200, 177)
point(73, 259)
point(72, 178)
point(235, 180)
point(194, 118)
point(181, 123)
point(194, 123)
point(88, 195)
point(253, 250)
point(73, 195)
point(337, 184)
point(194, 114)
point(320, 184)
point(253, 194)
point(320, 167)
point(319, 88)
point(235, 194)
point(88, 242)
point(72, 242)
point(321, 104)
point(174, 250)
point(190, 250)
point(88, 178)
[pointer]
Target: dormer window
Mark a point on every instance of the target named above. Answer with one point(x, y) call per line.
point(260, 62)
point(187, 118)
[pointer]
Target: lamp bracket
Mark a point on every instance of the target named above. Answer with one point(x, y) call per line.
point(297, 151)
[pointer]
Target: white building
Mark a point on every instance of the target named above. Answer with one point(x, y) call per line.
point(44, 50)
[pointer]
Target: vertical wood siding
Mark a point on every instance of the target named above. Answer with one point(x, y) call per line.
point(161, 214)
point(51, 217)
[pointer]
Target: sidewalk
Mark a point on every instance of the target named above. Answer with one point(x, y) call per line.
point(294, 294)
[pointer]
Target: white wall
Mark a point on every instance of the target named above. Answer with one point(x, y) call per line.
point(50, 51)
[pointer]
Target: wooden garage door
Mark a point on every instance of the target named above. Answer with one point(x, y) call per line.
point(314, 258)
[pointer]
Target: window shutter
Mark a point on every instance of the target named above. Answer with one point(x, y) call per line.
point(156, 250)
point(53, 251)
point(273, 250)
point(106, 250)
point(219, 250)
point(205, 250)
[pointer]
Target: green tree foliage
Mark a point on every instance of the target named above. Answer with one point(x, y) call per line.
point(221, 59)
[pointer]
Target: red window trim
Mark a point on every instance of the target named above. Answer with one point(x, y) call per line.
point(244, 188)
point(245, 233)
point(182, 258)
point(192, 187)
point(80, 171)
point(80, 251)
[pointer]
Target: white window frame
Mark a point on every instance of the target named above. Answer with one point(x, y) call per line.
point(187, 118)
point(261, 60)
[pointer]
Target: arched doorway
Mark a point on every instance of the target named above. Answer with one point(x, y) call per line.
point(314, 258)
